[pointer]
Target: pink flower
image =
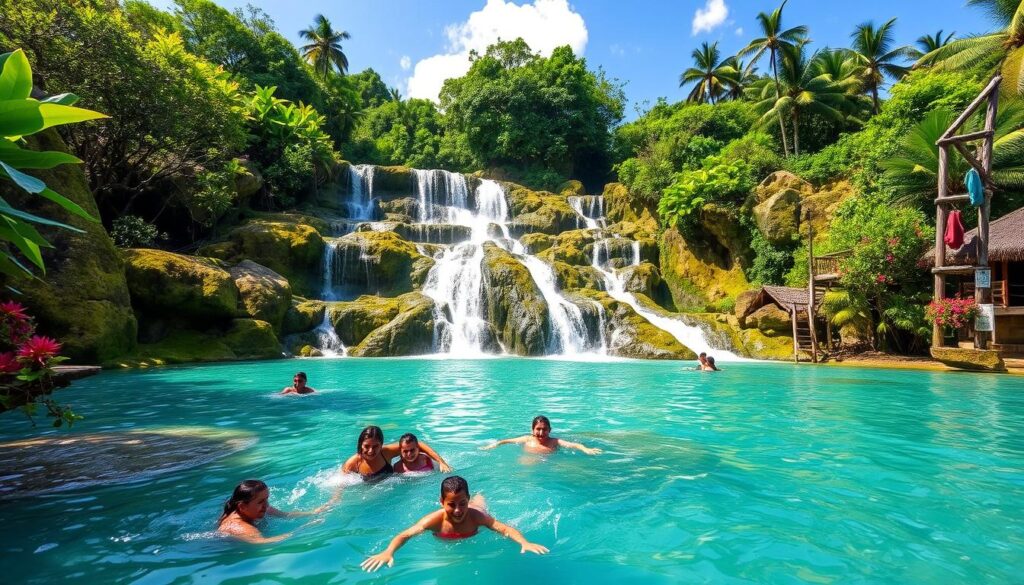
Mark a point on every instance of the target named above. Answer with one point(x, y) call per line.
point(8, 363)
point(38, 349)
point(880, 278)
point(889, 258)
point(13, 310)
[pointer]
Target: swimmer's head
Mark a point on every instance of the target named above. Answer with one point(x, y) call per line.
point(299, 380)
point(711, 361)
point(702, 356)
point(370, 442)
point(409, 446)
point(455, 498)
point(249, 500)
point(541, 427)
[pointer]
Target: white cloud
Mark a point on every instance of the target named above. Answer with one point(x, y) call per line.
point(543, 24)
point(712, 15)
point(739, 31)
point(405, 62)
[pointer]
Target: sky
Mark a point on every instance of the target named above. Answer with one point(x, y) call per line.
point(415, 44)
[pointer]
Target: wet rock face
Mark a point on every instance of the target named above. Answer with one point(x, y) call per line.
point(632, 336)
point(376, 263)
point(265, 294)
point(515, 306)
point(410, 332)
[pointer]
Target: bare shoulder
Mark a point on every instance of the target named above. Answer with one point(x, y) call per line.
point(351, 464)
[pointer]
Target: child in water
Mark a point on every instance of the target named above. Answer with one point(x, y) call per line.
point(541, 441)
point(248, 504)
point(373, 458)
point(459, 517)
point(411, 458)
point(298, 385)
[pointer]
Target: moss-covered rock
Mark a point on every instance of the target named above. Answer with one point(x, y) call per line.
point(822, 206)
point(183, 346)
point(248, 182)
point(743, 302)
point(969, 359)
point(514, 304)
point(302, 315)
point(393, 181)
point(571, 188)
point(538, 211)
point(405, 209)
point(410, 332)
point(184, 287)
point(354, 320)
point(629, 335)
point(778, 217)
point(571, 277)
point(770, 320)
point(251, 339)
point(265, 294)
point(427, 233)
point(621, 206)
point(83, 299)
point(698, 273)
point(645, 278)
point(284, 245)
point(781, 181)
point(537, 242)
point(759, 346)
point(572, 247)
point(376, 262)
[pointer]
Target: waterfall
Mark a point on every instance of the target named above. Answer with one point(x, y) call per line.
point(442, 196)
point(360, 202)
point(330, 256)
point(568, 328)
point(327, 340)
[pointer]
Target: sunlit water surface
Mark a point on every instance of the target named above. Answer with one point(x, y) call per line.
point(761, 473)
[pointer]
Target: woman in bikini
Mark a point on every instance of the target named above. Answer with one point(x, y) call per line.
point(373, 458)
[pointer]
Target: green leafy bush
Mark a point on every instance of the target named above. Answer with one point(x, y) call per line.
point(131, 231)
point(716, 181)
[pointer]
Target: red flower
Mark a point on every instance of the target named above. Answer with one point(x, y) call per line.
point(13, 310)
point(38, 349)
point(8, 363)
point(889, 258)
point(880, 278)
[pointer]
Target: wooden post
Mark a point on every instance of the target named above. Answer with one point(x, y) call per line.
point(940, 243)
point(828, 334)
point(810, 289)
point(983, 295)
point(1006, 283)
point(796, 336)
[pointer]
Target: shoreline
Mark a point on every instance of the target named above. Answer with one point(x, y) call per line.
point(1014, 366)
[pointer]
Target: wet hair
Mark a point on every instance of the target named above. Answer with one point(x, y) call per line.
point(703, 354)
point(301, 375)
point(454, 485)
point(711, 362)
point(408, 438)
point(243, 494)
point(370, 432)
point(540, 419)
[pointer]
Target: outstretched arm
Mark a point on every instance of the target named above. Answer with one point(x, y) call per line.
point(513, 534)
point(578, 447)
point(519, 440)
point(388, 555)
point(445, 468)
point(251, 534)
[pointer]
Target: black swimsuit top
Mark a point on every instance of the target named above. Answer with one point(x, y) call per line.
point(381, 473)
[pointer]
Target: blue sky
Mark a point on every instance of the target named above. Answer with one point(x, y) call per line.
point(413, 44)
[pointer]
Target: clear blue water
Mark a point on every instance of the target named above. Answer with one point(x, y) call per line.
point(762, 473)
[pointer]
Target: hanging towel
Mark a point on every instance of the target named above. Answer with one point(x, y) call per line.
point(954, 235)
point(975, 188)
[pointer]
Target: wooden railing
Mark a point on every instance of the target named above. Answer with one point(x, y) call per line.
point(826, 266)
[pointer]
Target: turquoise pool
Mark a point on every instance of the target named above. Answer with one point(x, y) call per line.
point(761, 473)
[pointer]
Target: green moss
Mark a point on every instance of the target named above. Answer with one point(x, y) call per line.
point(698, 275)
point(538, 211)
point(265, 294)
point(293, 250)
point(177, 348)
point(515, 306)
point(251, 339)
point(570, 277)
point(621, 206)
point(168, 284)
point(354, 320)
point(536, 242)
point(571, 188)
point(393, 181)
point(410, 332)
point(302, 315)
point(380, 262)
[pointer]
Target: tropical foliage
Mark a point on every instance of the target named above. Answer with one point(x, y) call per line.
point(324, 51)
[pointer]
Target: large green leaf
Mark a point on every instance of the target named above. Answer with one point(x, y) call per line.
point(57, 114)
point(20, 117)
point(64, 99)
point(26, 231)
point(28, 248)
point(21, 158)
point(66, 203)
point(10, 266)
point(6, 209)
point(15, 76)
point(26, 182)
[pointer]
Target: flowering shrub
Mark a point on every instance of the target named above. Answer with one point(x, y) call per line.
point(26, 366)
point(952, 312)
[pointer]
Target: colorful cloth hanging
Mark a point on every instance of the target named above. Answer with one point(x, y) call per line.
point(975, 188)
point(954, 234)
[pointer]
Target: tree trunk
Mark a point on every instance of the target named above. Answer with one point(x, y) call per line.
point(874, 97)
point(796, 134)
point(778, 94)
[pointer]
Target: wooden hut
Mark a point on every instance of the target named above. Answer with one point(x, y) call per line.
point(1006, 262)
point(794, 302)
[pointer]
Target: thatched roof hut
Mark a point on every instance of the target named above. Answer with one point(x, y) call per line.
point(785, 297)
point(1006, 243)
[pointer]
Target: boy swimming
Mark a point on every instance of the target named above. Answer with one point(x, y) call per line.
point(298, 385)
point(459, 517)
point(541, 441)
point(411, 458)
point(248, 504)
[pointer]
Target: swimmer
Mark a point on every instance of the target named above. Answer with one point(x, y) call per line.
point(248, 504)
point(411, 457)
point(541, 440)
point(702, 360)
point(373, 458)
point(709, 365)
point(298, 385)
point(459, 517)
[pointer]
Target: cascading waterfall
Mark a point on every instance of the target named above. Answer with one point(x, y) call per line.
point(360, 202)
point(327, 340)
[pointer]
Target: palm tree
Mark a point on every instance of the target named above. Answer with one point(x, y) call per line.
point(928, 44)
point(324, 49)
point(1001, 51)
point(872, 48)
point(804, 90)
point(710, 75)
point(742, 78)
point(772, 41)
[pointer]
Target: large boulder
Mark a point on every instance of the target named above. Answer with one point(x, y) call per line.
point(302, 315)
point(376, 262)
point(242, 339)
point(410, 332)
point(781, 181)
point(252, 339)
point(571, 188)
point(743, 302)
point(630, 335)
point(621, 206)
point(285, 244)
point(645, 278)
point(265, 294)
point(778, 217)
point(183, 287)
point(572, 247)
point(514, 305)
point(538, 211)
point(822, 205)
point(83, 299)
point(571, 277)
point(970, 359)
point(249, 181)
point(354, 320)
point(393, 181)
point(770, 320)
point(699, 273)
